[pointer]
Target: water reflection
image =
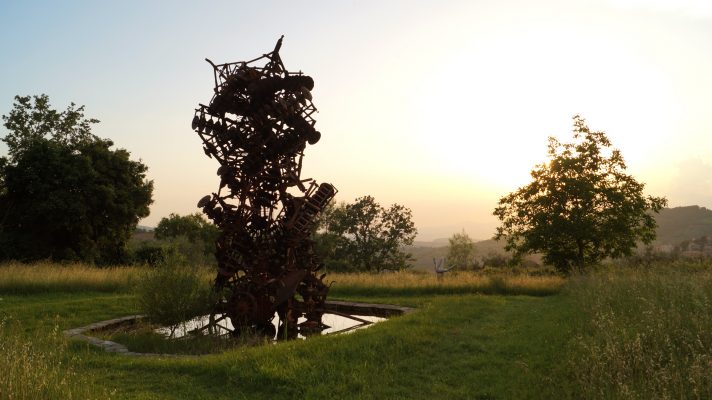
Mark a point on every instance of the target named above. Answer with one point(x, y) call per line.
point(336, 323)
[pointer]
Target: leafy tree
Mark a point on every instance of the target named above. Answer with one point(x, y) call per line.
point(192, 226)
point(192, 235)
point(461, 251)
point(65, 194)
point(580, 206)
point(367, 236)
point(32, 119)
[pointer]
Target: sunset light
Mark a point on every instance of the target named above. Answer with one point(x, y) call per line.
point(425, 105)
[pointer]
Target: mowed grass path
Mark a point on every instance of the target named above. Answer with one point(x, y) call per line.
point(454, 346)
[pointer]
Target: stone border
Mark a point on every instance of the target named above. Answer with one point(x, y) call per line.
point(376, 310)
point(107, 345)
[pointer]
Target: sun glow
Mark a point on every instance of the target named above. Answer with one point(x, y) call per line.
point(493, 118)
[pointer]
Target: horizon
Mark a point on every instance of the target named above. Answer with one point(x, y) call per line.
point(443, 108)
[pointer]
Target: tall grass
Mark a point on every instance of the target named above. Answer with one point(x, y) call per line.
point(16, 278)
point(38, 366)
point(404, 283)
point(643, 334)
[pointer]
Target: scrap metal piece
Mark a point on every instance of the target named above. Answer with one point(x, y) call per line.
point(257, 126)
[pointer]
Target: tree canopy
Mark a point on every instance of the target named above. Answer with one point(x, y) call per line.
point(32, 119)
point(580, 207)
point(366, 236)
point(191, 235)
point(65, 194)
point(192, 226)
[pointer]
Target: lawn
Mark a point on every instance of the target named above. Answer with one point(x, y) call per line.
point(460, 343)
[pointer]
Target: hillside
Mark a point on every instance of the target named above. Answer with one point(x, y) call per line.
point(675, 225)
point(683, 223)
point(424, 255)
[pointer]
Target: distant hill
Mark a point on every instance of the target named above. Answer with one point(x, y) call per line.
point(424, 255)
point(675, 225)
point(683, 223)
point(433, 243)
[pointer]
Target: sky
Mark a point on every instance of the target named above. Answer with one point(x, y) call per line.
point(441, 106)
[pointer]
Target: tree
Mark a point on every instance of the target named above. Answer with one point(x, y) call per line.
point(368, 236)
point(65, 194)
point(193, 226)
point(580, 206)
point(192, 235)
point(461, 251)
point(32, 119)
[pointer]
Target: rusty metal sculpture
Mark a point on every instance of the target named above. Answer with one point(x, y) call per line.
point(257, 126)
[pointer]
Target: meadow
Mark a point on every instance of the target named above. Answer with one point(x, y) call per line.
point(624, 333)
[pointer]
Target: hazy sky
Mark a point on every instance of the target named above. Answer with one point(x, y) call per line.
point(442, 106)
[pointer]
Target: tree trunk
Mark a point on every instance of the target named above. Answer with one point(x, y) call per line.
point(580, 256)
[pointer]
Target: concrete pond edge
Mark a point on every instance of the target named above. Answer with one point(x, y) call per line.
point(81, 333)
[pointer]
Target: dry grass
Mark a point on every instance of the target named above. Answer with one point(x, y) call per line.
point(406, 283)
point(16, 278)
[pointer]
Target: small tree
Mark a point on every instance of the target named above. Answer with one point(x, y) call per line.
point(461, 251)
point(580, 206)
point(368, 236)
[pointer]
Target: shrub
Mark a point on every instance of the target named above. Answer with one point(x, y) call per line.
point(495, 260)
point(180, 249)
point(173, 293)
point(151, 254)
point(336, 265)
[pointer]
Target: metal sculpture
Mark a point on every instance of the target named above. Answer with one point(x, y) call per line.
point(257, 126)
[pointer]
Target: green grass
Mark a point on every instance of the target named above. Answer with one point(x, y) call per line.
point(627, 334)
point(453, 347)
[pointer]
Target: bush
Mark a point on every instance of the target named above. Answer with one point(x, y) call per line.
point(172, 293)
point(150, 253)
point(178, 249)
point(495, 260)
point(335, 265)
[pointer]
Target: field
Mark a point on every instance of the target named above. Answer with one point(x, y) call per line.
point(624, 333)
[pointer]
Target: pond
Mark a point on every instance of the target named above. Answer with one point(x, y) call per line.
point(336, 322)
point(119, 334)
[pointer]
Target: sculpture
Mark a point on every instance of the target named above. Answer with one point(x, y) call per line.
point(439, 269)
point(256, 126)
